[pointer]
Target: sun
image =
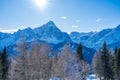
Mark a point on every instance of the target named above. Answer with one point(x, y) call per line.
point(41, 4)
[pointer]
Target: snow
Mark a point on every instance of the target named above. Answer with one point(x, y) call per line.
point(111, 36)
point(50, 33)
point(47, 32)
point(92, 77)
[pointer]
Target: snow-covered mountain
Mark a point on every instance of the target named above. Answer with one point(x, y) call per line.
point(50, 33)
point(4, 35)
point(96, 39)
point(46, 33)
point(56, 38)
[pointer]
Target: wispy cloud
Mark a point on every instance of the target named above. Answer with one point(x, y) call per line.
point(74, 26)
point(63, 17)
point(11, 30)
point(98, 20)
point(8, 30)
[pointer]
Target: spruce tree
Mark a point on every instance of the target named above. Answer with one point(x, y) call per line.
point(79, 52)
point(5, 64)
point(115, 51)
point(111, 62)
point(117, 65)
point(0, 68)
point(105, 56)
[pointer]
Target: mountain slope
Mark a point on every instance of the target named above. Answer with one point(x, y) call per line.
point(50, 33)
point(47, 33)
point(96, 39)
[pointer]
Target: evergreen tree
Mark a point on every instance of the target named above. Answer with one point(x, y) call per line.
point(82, 63)
point(0, 68)
point(79, 52)
point(117, 65)
point(115, 51)
point(4, 64)
point(111, 62)
point(105, 56)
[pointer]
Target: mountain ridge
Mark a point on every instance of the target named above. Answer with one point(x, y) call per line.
point(52, 34)
point(57, 39)
point(96, 39)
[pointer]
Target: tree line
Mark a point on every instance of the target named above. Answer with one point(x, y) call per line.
point(34, 62)
point(106, 63)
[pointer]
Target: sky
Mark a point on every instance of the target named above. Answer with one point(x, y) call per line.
point(68, 15)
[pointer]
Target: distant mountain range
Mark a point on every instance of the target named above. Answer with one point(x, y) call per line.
point(96, 39)
point(56, 38)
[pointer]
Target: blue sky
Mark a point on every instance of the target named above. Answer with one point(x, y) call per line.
point(68, 15)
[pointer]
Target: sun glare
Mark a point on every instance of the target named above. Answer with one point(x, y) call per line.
point(41, 4)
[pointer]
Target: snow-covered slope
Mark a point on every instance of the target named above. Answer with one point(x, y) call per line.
point(4, 35)
point(96, 39)
point(47, 32)
point(50, 33)
point(80, 37)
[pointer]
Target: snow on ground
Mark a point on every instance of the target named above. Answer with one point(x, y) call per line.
point(92, 77)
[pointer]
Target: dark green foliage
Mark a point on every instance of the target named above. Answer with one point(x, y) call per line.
point(105, 60)
point(111, 62)
point(79, 52)
point(0, 68)
point(114, 62)
point(117, 65)
point(4, 64)
point(115, 51)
